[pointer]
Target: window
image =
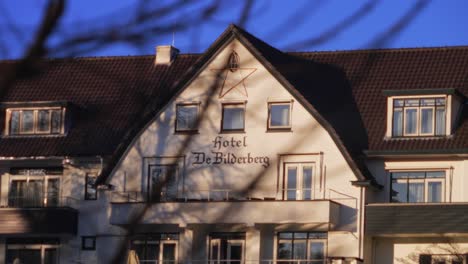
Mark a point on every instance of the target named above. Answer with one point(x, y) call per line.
point(227, 248)
point(307, 246)
point(88, 243)
point(163, 182)
point(279, 116)
point(30, 121)
point(32, 250)
point(34, 187)
point(186, 117)
point(418, 187)
point(155, 248)
point(419, 117)
point(443, 259)
point(233, 117)
point(298, 181)
point(90, 188)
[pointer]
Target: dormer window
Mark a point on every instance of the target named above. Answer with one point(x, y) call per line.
point(419, 117)
point(422, 113)
point(35, 121)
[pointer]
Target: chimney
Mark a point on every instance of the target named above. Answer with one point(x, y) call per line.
point(165, 55)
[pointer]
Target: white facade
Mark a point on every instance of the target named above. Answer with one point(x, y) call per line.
point(236, 168)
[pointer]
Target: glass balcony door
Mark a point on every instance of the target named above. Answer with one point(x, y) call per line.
point(299, 181)
point(34, 191)
point(227, 248)
point(163, 182)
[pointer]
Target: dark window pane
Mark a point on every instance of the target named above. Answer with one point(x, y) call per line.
point(27, 121)
point(292, 183)
point(50, 256)
point(317, 251)
point(14, 122)
point(286, 235)
point(399, 192)
point(300, 249)
point(285, 250)
point(169, 253)
point(399, 175)
point(435, 174)
point(43, 121)
point(56, 121)
point(186, 117)
point(53, 192)
point(417, 174)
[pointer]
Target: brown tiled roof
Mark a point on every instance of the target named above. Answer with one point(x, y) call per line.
point(113, 97)
point(107, 96)
point(370, 72)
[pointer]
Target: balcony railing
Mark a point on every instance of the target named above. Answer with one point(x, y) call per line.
point(266, 261)
point(28, 201)
point(218, 195)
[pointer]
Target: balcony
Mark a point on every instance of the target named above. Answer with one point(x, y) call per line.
point(223, 206)
point(393, 219)
point(39, 215)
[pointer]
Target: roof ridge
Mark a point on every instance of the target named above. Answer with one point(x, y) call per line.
point(101, 58)
point(406, 49)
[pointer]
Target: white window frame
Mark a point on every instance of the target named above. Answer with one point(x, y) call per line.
point(216, 258)
point(161, 250)
point(35, 124)
point(425, 181)
point(300, 189)
point(44, 178)
point(273, 103)
point(391, 109)
point(233, 105)
point(41, 247)
point(293, 240)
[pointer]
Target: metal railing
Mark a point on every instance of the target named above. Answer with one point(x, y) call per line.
point(212, 195)
point(41, 201)
point(215, 261)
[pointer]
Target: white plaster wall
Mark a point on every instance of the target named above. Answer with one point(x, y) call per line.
point(307, 136)
point(407, 250)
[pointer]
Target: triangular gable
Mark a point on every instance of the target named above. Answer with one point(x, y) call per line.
point(268, 57)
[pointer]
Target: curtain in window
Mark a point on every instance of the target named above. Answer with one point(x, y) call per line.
point(440, 121)
point(416, 192)
point(397, 122)
point(233, 118)
point(434, 192)
point(426, 120)
point(411, 121)
point(280, 115)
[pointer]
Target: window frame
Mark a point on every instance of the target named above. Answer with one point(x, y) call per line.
point(299, 180)
point(178, 130)
point(308, 239)
point(35, 123)
point(161, 239)
point(226, 239)
point(403, 109)
point(83, 243)
point(279, 128)
point(426, 180)
point(45, 179)
point(164, 196)
point(87, 196)
point(226, 105)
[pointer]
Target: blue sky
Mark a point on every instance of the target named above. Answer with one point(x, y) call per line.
point(288, 25)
